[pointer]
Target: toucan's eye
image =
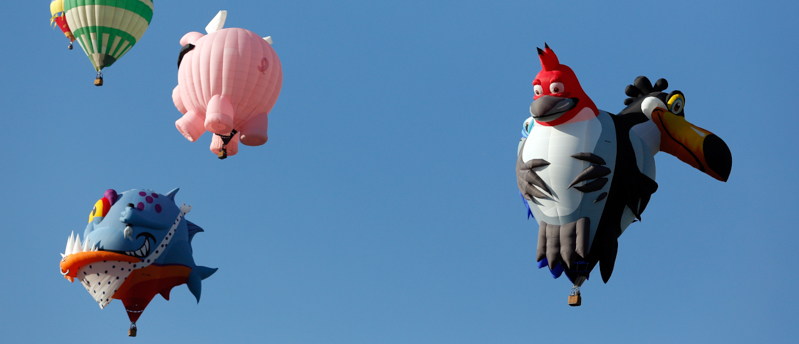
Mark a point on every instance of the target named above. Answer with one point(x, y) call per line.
point(676, 103)
point(556, 87)
point(100, 209)
point(528, 124)
point(538, 90)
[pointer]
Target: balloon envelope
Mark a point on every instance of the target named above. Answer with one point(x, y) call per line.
point(107, 29)
point(60, 19)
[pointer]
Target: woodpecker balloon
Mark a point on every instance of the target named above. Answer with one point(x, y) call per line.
point(587, 174)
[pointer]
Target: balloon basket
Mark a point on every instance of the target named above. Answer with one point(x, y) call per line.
point(70, 46)
point(132, 330)
point(98, 81)
point(222, 154)
point(574, 298)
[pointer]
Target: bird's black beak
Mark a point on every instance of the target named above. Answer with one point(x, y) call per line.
point(550, 108)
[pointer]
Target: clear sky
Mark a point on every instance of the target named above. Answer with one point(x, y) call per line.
point(384, 207)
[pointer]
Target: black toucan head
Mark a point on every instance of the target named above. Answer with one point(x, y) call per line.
point(691, 144)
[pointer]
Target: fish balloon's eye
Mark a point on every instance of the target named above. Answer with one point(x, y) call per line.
point(538, 90)
point(676, 103)
point(100, 209)
point(556, 87)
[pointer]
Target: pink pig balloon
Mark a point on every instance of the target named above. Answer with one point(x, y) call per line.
point(227, 80)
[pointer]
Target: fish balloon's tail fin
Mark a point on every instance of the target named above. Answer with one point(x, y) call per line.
point(196, 276)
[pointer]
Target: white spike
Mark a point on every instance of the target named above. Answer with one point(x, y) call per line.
point(95, 247)
point(70, 243)
point(217, 23)
point(268, 39)
point(76, 248)
point(63, 255)
point(86, 244)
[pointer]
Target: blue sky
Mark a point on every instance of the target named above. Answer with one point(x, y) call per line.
point(384, 207)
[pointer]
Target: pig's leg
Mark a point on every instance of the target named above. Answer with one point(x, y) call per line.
point(191, 125)
point(232, 146)
point(253, 133)
point(219, 116)
point(178, 101)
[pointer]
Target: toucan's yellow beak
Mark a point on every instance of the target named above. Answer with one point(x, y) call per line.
point(693, 145)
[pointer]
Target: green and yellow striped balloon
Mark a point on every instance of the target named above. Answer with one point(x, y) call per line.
point(107, 29)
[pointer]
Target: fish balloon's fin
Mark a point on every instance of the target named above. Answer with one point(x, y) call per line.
point(195, 284)
point(165, 293)
point(193, 229)
point(205, 271)
point(171, 194)
point(196, 276)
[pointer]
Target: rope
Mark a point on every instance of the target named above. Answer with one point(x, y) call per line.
point(225, 140)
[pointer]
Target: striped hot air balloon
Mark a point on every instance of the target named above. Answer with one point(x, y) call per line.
point(107, 29)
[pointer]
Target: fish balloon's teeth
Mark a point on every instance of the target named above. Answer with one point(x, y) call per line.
point(70, 243)
point(86, 245)
point(76, 248)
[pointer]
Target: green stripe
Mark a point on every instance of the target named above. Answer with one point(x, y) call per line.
point(108, 61)
point(100, 30)
point(135, 6)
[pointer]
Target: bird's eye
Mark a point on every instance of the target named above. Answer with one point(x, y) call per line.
point(556, 87)
point(676, 103)
point(538, 90)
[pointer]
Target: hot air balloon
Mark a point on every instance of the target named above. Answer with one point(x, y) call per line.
point(58, 18)
point(107, 29)
point(137, 245)
point(588, 174)
point(228, 81)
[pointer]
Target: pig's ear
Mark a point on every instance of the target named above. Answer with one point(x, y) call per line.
point(217, 23)
point(183, 51)
point(191, 37)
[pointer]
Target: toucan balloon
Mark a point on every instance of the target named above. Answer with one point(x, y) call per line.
point(60, 19)
point(228, 81)
point(587, 174)
point(137, 245)
point(107, 29)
